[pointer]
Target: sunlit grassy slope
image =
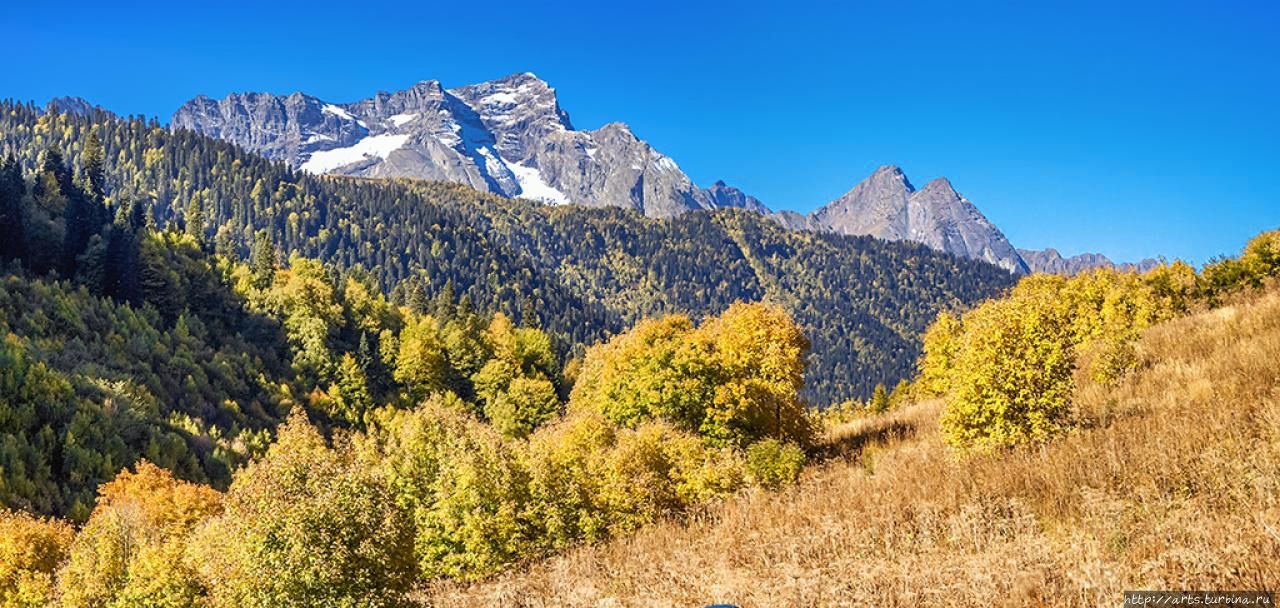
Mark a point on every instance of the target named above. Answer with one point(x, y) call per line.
point(1171, 481)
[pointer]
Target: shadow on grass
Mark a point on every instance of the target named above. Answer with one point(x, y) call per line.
point(850, 445)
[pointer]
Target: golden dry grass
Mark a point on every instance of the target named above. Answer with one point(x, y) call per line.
point(1171, 482)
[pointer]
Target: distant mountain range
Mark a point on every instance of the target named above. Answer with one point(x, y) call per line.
point(1050, 261)
point(511, 137)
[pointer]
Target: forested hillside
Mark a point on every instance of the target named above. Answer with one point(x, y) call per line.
point(582, 274)
point(145, 382)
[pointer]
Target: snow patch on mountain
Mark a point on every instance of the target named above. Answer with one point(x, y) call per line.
point(377, 146)
point(337, 111)
point(532, 186)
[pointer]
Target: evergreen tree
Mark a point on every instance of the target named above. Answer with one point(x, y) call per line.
point(528, 314)
point(95, 171)
point(121, 273)
point(12, 191)
point(195, 219)
point(80, 216)
point(263, 260)
point(879, 400)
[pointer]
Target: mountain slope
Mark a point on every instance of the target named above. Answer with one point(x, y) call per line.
point(584, 272)
point(887, 206)
point(896, 520)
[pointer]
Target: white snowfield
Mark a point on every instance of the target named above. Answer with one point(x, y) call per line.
point(377, 146)
point(533, 187)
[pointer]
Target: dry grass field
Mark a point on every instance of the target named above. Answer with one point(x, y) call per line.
point(1171, 481)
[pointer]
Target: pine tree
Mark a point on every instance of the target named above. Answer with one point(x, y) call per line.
point(263, 260)
point(528, 314)
point(121, 274)
point(416, 299)
point(445, 301)
point(370, 360)
point(12, 233)
point(195, 219)
point(95, 168)
point(879, 400)
point(78, 224)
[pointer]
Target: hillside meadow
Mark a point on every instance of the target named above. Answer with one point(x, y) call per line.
point(1171, 480)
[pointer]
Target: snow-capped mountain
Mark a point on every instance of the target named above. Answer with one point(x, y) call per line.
point(511, 137)
point(508, 136)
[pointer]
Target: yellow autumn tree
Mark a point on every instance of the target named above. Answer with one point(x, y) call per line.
point(732, 380)
point(130, 551)
point(526, 404)
point(940, 343)
point(31, 550)
point(759, 356)
point(303, 296)
point(420, 364)
point(646, 372)
point(306, 525)
point(1012, 381)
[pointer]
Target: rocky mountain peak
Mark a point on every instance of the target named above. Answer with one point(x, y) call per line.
point(887, 206)
point(723, 195)
point(942, 186)
point(78, 106)
point(1053, 262)
point(520, 110)
point(889, 176)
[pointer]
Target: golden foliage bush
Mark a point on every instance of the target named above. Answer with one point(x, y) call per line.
point(773, 464)
point(1012, 379)
point(732, 380)
point(306, 525)
point(31, 549)
point(458, 479)
point(1009, 365)
point(130, 551)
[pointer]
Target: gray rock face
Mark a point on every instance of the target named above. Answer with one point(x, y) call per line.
point(887, 206)
point(794, 221)
point(724, 195)
point(289, 128)
point(73, 105)
point(508, 136)
point(1050, 261)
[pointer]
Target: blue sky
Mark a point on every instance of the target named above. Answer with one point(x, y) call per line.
point(1131, 128)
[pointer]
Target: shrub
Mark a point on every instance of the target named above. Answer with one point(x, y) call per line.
point(733, 380)
point(589, 480)
point(525, 405)
point(460, 482)
point(1012, 382)
point(940, 343)
point(565, 463)
point(31, 549)
point(129, 552)
point(773, 464)
point(306, 526)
